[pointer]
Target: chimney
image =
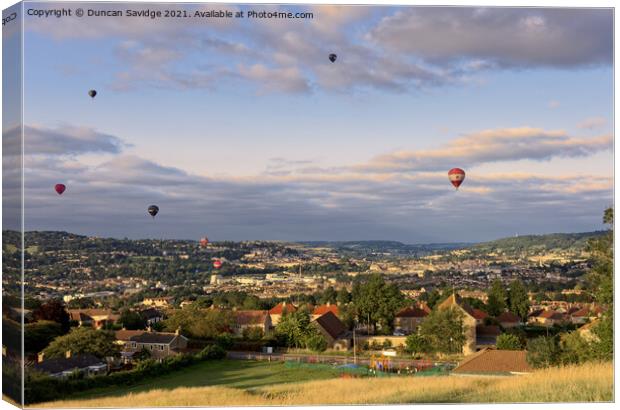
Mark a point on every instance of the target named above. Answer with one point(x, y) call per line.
point(40, 357)
point(178, 331)
point(149, 329)
point(284, 304)
point(68, 354)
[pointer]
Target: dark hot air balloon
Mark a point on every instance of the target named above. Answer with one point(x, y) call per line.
point(92, 93)
point(204, 241)
point(60, 188)
point(153, 209)
point(333, 57)
point(456, 176)
point(217, 264)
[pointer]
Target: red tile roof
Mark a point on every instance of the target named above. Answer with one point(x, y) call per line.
point(551, 314)
point(508, 317)
point(411, 312)
point(281, 307)
point(495, 361)
point(250, 317)
point(321, 310)
point(479, 314)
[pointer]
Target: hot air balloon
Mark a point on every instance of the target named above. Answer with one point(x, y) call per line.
point(333, 57)
point(217, 264)
point(60, 188)
point(456, 176)
point(153, 209)
point(92, 93)
point(204, 241)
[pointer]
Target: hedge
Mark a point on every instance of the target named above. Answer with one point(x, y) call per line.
point(40, 387)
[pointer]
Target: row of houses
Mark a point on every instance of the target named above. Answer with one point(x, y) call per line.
point(576, 315)
point(100, 318)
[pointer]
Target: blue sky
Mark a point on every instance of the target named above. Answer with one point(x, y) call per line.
point(244, 130)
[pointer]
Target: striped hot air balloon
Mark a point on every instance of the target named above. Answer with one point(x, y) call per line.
point(217, 264)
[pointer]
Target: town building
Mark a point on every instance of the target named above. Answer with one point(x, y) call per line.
point(158, 344)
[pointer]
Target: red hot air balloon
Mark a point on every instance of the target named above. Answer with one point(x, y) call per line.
point(456, 176)
point(217, 264)
point(204, 241)
point(60, 188)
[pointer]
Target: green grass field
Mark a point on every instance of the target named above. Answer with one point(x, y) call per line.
point(246, 375)
point(228, 383)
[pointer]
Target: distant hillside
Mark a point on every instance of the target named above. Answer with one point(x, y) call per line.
point(575, 242)
point(385, 247)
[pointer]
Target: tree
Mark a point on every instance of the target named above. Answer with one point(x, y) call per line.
point(53, 311)
point(131, 320)
point(315, 340)
point(329, 295)
point(444, 331)
point(431, 298)
point(543, 351)
point(39, 334)
point(343, 296)
point(518, 299)
point(600, 280)
point(415, 344)
point(496, 302)
point(507, 341)
point(199, 323)
point(293, 328)
point(253, 333)
point(376, 302)
point(100, 343)
point(575, 349)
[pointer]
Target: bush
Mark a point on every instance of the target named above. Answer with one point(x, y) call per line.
point(40, 387)
point(508, 342)
point(225, 341)
point(543, 352)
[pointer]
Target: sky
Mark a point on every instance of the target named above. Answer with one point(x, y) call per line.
point(242, 129)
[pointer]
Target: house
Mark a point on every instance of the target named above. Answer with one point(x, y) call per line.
point(486, 336)
point(96, 318)
point(408, 319)
point(479, 315)
point(160, 301)
point(584, 315)
point(158, 344)
point(280, 309)
point(185, 303)
point(509, 320)
point(84, 363)
point(151, 316)
point(247, 319)
point(334, 331)
point(493, 361)
point(323, 309)
point(549, 318)
point(469, 321)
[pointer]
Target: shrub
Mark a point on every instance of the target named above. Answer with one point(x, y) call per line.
point(543, 352)
point(40, 387)
point(508, 342)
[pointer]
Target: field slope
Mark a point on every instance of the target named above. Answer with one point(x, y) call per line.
point(585, 383)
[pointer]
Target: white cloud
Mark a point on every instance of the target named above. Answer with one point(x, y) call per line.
point(307, 202)
point(508, 37)
point(592, 123)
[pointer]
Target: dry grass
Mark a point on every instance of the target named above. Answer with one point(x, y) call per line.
point(591, 382)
